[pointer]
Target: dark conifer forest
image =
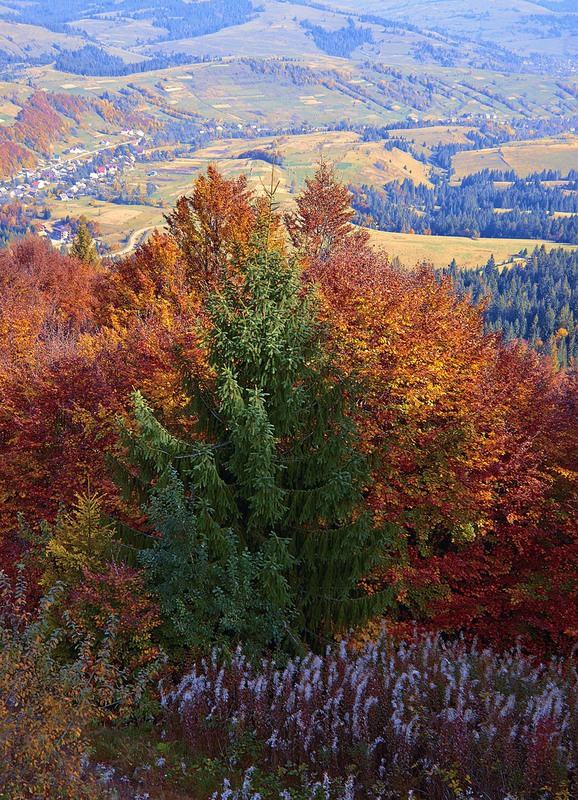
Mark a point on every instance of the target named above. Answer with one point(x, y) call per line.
point(490, 204)
point(535, 299)
point(91, 60)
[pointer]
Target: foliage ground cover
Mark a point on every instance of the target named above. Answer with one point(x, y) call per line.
point(426, 719)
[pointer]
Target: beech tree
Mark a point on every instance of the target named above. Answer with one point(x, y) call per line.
point(321, 224)
point(213, 223)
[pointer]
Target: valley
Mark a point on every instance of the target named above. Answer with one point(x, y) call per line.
point(440, 96)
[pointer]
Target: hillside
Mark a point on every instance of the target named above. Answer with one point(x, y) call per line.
point(309, 79)
point(288, 429)
point(297, 485)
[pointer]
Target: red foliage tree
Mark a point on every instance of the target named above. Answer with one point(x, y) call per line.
point(473, 449)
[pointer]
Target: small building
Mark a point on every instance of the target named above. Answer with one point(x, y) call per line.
point(61, 232)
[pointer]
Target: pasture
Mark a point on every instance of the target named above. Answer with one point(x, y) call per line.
point(557, 153)
point(412, 249)
point(356, 162)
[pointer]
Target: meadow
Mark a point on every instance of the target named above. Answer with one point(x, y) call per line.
point(555, 153)
point(412, 249)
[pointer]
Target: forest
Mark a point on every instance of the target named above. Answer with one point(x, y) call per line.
point(180, 19)
point(536, 300)
point(271, 156)
point(341, 42)
point(274, 513)
point(489, 204)
point(93, 60)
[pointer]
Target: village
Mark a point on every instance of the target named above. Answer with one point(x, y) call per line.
point(75, 173)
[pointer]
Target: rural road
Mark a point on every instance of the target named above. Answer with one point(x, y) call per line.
point(136, 239)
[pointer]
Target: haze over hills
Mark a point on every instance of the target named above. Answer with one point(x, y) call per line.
point(454, 29)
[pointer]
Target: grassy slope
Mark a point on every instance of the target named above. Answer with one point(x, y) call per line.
point(412, 249)
point(558, 153)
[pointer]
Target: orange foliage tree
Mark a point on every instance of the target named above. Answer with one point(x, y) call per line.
point(214, 223)
point(470, 441)
point(76, 339)
point(473, 443)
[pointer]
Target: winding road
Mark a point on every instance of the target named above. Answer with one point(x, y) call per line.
point(135, 240)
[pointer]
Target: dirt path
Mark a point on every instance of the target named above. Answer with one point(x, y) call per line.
point(136, 239)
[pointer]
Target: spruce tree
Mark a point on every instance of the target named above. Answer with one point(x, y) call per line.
point(273, 470)
point(83, 246)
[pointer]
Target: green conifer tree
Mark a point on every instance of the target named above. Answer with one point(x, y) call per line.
point(273, 472)
point(83, 246)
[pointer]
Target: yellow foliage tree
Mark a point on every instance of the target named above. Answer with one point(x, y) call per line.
point(80, 541)
point(46, 706)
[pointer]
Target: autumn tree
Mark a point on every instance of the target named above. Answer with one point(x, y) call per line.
point(80, 540)
point(469, 442)
point(321, 223)
point(213, 224)
point(47, 707)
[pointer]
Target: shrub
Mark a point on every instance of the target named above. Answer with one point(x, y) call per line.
point(47, 706)
point(119, 591)
point(438, 719)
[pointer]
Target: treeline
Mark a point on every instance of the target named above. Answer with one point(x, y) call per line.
point(402, 144)
point(408, 88)
point(536, 300)
point(270, 156)
point(95, 61)
point(281, 70)
point(183, 20)
point(341, 42)
point(426, 51)
point(488, 133)
point(483, 204)
point(53, 16)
